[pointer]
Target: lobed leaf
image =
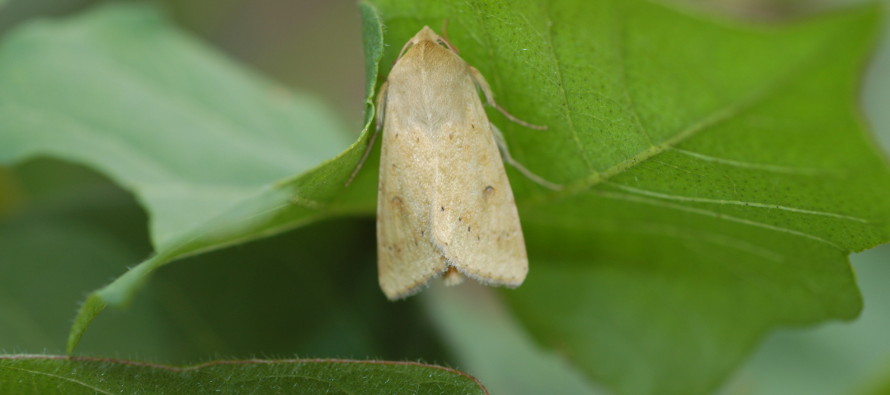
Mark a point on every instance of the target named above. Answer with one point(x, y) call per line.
point(718, 174)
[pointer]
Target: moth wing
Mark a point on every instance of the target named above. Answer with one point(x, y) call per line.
point(407, 258)
point(475, 221)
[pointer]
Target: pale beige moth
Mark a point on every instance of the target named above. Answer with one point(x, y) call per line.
point(445, 206)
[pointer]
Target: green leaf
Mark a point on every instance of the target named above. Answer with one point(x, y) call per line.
point(718, 175)
point(200, 142)
point(190, 137)
point(36, 374)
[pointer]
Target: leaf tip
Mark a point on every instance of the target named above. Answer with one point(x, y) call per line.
point(88, 311)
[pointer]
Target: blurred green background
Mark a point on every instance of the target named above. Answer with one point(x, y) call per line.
point(65, 230)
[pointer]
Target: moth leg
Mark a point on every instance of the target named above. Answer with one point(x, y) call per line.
point(381, 105)
point(381, 102)
point(489, 98)
point(502, 145)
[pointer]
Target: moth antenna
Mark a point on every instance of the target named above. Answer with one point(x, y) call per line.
point(404, 48)
point(502, 145)
point(444, 37)
point(381, 101)
point(489, 98)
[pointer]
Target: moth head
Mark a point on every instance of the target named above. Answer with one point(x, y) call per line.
point(426, 34)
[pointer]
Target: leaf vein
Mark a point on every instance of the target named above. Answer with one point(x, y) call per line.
point(560, 83)
point(709, 213)
point(631, 104)
point(56, 376)
point(692, 199)
point(756, 166)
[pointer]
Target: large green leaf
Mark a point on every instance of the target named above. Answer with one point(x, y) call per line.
point(200, 142)
point(190, 137)
point(31, 374)
point(717, 173)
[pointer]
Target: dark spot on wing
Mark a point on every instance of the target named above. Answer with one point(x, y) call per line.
point(488, 192)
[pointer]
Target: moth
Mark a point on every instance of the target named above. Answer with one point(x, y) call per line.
point(445, 206)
